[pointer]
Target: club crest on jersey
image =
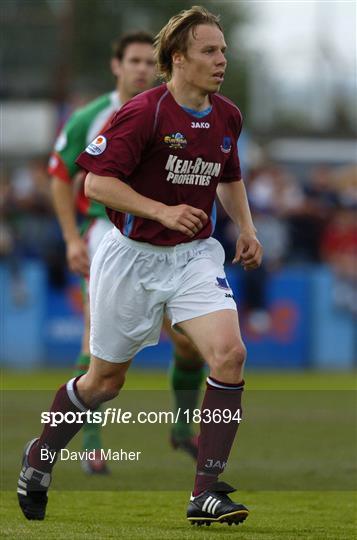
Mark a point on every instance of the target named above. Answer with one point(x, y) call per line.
point(226, 145)
point(175, 140)
point(222, 283)
point(97, 146)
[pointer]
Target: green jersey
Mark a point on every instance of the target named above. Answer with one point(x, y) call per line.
point(81, 128)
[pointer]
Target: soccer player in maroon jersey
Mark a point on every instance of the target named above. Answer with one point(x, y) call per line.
point(158, 169)
point(134, 67)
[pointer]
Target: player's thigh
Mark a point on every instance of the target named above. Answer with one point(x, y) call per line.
point(202, 286)
point(182, 344)
point(203, 304)
point(126, 300)
point(216, 335)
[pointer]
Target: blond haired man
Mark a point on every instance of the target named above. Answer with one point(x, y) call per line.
point(157, 169)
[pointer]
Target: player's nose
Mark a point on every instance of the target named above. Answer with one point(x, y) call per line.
point(221, 60)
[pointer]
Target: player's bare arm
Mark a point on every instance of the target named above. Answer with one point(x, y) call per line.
point(117, 195)
point(64, 204)
point(233, 197)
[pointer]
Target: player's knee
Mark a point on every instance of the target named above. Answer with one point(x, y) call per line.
point(107, 391)
point(230, 359)
point(241, 354)
point(110, 388)
point(95, 390)
point(107, 388)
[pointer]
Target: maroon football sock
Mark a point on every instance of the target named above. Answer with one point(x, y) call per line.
point(54, 438)
point(216, 438)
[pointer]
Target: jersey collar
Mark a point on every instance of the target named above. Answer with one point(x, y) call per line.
point(115, 99)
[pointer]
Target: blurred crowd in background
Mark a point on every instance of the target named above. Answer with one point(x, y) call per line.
point(301, 220)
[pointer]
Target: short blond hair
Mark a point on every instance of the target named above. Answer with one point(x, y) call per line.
point(173, 36)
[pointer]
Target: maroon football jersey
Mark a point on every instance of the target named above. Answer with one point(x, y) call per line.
point(165, 153)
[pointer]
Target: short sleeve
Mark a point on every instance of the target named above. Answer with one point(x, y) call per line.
point(70, 142)
point(118, 150)
point(232, 170)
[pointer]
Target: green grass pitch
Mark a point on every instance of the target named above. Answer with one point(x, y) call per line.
point(303, 512)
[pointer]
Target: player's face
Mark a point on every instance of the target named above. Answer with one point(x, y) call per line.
point(137, 69)
point(204, 63)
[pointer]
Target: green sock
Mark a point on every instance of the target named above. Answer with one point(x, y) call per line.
point(91, 432)
point(82, 364)
point(186, 385)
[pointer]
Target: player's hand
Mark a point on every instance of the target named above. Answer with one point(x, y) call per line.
point(77, 256)
point(249, 251)
point(184, 218)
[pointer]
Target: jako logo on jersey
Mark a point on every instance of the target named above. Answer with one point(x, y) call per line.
point(97, 146)
point(186, 171)
point(226, 145)
point(200, 125)
point(175, 140)
point(222, 283)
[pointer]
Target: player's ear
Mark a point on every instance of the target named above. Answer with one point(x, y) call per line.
point(177, 59)
point(115, 66)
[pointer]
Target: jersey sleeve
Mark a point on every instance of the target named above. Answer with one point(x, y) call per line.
point(70, 142)
point(118, 150)
point(232, 170)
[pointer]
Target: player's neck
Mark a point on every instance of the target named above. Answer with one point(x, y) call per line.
point(188, 96)
point(123, 95)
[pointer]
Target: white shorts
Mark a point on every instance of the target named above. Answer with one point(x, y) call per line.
point(95, 233)
point(133, 283)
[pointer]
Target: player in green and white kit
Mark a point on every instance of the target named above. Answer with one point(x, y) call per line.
point(133, 65)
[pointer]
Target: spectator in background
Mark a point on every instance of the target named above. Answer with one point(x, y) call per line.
point(263, 193)
point(344, 184)
point(339, 249)
point(37, 229)
point(320, 189)
point(9, 251)
point(271, 195)
point(298, 212)
point(320, 202)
